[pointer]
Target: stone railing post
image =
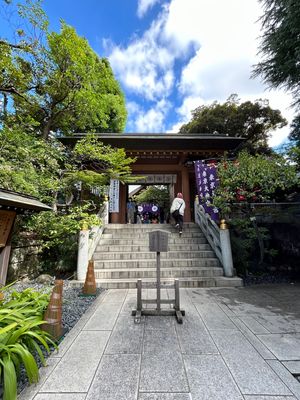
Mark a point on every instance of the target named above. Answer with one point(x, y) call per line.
point(83, 253)
point(226, 249)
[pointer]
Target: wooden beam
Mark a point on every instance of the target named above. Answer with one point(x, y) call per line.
point(4, 259)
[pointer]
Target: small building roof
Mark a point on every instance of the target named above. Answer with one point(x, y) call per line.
point(163, 141)
point(20, 202)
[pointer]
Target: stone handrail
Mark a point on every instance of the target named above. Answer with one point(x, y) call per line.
point(88, 240)
point(219, 239)
point(96, 231)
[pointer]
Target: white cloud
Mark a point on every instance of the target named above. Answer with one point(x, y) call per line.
point(213, 42)
point(144, 6)
point(151, 120)
point(145, 66)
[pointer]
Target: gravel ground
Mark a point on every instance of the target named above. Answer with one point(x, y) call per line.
point(266, 278)
point(74, 307)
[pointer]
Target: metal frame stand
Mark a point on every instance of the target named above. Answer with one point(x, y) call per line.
point(177, 312)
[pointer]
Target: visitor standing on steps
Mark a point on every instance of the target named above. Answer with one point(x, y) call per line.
point(177, 211)
point(131, 206)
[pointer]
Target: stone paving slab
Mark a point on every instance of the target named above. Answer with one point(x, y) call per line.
point(57, 396)
point(104, 317)
point(256, 343)
point(252, 374)
point(285, 347)
point(164, 396)
point(126, 337)
point(116, 378)
point(209, 378)
point(287, 377)
point(193, 336)
point(30, 392)
point(160, 322)
point(223, 350)
point(156, 340)
point(74, 373)
point(163, 372)
point(278, 324)
point(115, 296)
point(214, 317)
point(254, 326)
point(269, 398)
point(293, 366)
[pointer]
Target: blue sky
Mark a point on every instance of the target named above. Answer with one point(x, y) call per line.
point(171, 56)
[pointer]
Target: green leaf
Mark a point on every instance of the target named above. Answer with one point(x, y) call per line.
point(9, 379)
point(28, 361)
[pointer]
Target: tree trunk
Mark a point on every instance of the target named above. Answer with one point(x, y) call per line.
point(46, 129)
point(5, 103)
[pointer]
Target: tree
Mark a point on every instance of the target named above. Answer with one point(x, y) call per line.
point(154, 194)
point(60, 82)
point(280, 46)
point(247, 180)
point(94, 163)
point(295, 131)
point(252, 179)
point(29, 164)
point(252, 121)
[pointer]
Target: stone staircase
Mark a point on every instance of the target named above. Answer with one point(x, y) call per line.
point(122, 256)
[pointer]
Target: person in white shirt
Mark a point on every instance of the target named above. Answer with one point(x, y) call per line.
point(177, 211)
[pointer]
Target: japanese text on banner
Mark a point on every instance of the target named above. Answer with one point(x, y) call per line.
point(114, 190)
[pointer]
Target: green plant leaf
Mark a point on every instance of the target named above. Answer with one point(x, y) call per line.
point(9, 379)
point(38, 350)
point(29, 362)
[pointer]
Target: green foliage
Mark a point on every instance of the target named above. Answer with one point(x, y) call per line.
point(293, 154)
point(245, 242)
point(280, 47)
point(58, 80)
point(247, 180)
point(52, 228)
point(295, 131)
point(53, 83)
point(251, 179)
point(57, 234)
point(97, 163)
point(252, 121)
point(29, 300)
point(154, 194)
point(21, 337)
point(28, 164)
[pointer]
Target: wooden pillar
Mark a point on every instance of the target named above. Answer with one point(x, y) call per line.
point(185, 184)
point(123, 201)
point(7, 220)
point(120, 217)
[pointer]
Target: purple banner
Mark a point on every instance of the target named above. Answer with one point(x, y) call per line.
point(206, 181)
point(148, 208)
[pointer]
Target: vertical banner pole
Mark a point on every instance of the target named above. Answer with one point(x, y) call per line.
point(158, 280)
point(139, 295)
point(177, 299)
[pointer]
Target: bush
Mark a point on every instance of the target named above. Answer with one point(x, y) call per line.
point(21, 337)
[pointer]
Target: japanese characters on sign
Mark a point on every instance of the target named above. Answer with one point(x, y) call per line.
point(114, 190)
point(206, 182)
point(6, 222)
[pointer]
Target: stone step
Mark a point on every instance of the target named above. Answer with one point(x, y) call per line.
point(145, 241)
point(218, 281)
point(131, 255)
point(141, 273)
point(128, 264)
point(189, 225)
point(143, 235)
point(144, 248)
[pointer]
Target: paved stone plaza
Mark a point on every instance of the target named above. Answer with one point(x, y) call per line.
point(234, 344)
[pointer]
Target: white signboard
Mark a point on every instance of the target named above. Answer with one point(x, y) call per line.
point(114, 190)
